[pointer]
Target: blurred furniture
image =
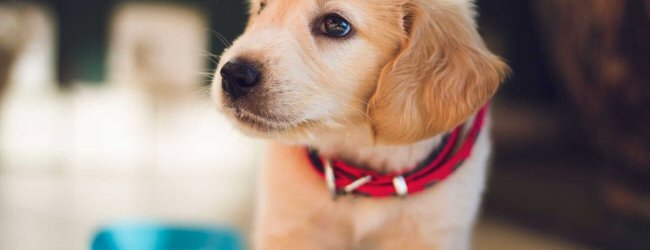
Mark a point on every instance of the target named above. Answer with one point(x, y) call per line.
point(31, 107)
point(83, 29)
point(159, 48)
point(95, 153)
point(11, 40)
point(601, 49)
point(571, 127)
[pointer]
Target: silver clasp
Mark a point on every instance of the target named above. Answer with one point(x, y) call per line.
point(400, 186)
point(330, 179)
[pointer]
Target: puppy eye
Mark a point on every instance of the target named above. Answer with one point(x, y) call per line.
point(262, 6)
point(335, 26)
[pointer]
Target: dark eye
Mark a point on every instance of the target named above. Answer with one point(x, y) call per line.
point(262, 5)
point(335, 26)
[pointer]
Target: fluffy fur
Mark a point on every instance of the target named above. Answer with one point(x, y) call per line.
point(380, 97)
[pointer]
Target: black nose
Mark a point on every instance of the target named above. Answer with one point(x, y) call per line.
point(239, 77)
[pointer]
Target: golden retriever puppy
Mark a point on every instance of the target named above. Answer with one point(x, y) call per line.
point(389, 96)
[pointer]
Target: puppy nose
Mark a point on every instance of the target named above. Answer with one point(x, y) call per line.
point(239, 76)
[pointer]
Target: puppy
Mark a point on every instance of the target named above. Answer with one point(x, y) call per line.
point(377, 113)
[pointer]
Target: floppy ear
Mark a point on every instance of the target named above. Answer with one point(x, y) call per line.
point(442, 75)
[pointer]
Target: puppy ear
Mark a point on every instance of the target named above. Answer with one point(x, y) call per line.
point(441, 76)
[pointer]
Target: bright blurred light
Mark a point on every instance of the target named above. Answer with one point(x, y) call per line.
point(148, 144)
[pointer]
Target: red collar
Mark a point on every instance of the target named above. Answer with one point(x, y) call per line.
point(342, 178)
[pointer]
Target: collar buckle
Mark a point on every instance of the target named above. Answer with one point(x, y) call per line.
point(330, 179)
point(400, 186)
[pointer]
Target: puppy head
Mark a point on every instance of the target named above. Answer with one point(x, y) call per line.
point(404, 69)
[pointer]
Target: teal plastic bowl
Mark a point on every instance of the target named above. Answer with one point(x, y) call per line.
point(154, 236)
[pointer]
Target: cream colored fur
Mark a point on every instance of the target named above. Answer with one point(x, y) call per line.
point(411, 70)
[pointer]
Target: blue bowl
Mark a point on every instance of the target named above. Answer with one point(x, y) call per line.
point(153, 236)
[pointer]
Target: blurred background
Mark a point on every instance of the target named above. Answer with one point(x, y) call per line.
point(105, 117)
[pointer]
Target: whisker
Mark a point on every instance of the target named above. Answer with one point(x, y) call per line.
point(203, 91)
point(212, 57)
point(221, 38)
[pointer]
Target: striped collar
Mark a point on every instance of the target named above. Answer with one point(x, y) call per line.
point(343, 178)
